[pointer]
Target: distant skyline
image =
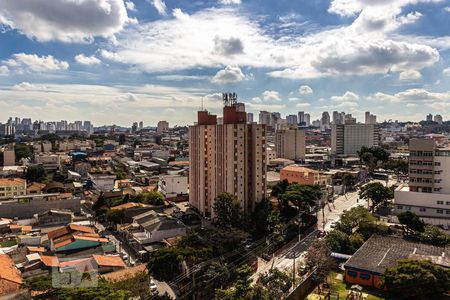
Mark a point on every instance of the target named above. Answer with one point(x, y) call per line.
point(117, 62)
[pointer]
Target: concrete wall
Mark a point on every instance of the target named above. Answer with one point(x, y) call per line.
point(27, 210)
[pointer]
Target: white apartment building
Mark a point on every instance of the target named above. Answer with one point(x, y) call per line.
point(428, 191)
point(102, 182)
point(173, 185)
point(348, 138)
point(290, 143)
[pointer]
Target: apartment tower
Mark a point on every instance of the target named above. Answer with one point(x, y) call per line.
point(228, 157)
point(290, 143)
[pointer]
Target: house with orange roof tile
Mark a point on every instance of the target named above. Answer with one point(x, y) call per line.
point(10, 277)
point(73, 238)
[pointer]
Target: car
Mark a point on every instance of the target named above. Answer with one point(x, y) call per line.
point(333, 224)
point(152, 286)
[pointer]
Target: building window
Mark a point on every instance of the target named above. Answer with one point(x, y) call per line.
point(447, 212)
point(440, 202)
point(399, 206)
point(364, 276)
point(422, 209)
point(408, 207)
point(352, 273)
point(439, 211)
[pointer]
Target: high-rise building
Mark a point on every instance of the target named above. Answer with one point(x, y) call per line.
point(134, 127)
point(428, 191)
point(291, 120)
point(264, 117)
point(9, 157)
point(290, 143)
point(429, 118)
point(369, 118)
point(163, 126)
point(307, 120)
point(438, 119)
point(348, 138)
point(336, 117)
point(325, 121)
point(301, 117)
point(226, 158)
point(249, 118)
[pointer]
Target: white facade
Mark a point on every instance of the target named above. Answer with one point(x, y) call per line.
point(348, 139)
point(173, 185)
point(102, 182)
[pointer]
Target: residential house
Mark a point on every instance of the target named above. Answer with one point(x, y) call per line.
point(10, 277)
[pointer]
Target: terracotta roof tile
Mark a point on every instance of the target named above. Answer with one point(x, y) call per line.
point(50, 261)
point(8, 271)
point(125, 273)
point(111, 261)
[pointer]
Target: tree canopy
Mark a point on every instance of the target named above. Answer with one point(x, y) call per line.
point(414, 279)
point(228, 211)
point(377, 193)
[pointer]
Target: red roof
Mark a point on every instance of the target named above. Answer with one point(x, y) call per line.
point(109, 261)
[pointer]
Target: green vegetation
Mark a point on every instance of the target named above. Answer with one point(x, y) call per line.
point(36, 173)
point(319, 256)
point(373, 157)
point(23, 151)
point(228, 211)
point(103, 291)
point(415, 228)
point(413, 279)
point(8, 243)
point(397, 166)
point(340, 287)
point(150, 197)
point(377, 193)
point(354, 228)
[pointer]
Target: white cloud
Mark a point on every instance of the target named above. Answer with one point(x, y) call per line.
point(271, 95)
point(4, 70)
point(347, 97)
point(177, 77)
point(411, 105)
point(256, 100)
point(435, 100)
point(109, 55)
point(179, 14)
point(32, 62)
point(87, 60)
point(64, 20)
point(130, 5)
point(160, 6)
point(305, 89)
point(229, 2)
point(446, 71)
point(23, 86)
point(217, 37)
point(410, 75)
point(303, 105)
point(229, 75)
point(447, 9)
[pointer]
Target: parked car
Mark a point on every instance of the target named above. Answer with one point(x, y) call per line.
point(152, 286)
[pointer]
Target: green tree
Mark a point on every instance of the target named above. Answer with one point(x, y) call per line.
point(303, 196)
point(348, 180)
point(338, 241)
point(136, 284)
point(353, 218)
point(414, 279)
point(35, 173)
point(411, 221)
point(23, 151)
point(243, 281)
point(377, 193)
point(264, 219)
point(217, 273)
point(153, 198)
point(318, 256)
point(356, 240)
point(276, 283)
point(397, 166)
point(280, 188)
point(228, 211)
point(115, 216)
point(433, 235)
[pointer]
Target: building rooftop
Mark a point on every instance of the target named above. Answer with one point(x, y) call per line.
point(294, 168)
point(12, 181)
point(381, 252)
point(8, 271)
point(108, 260)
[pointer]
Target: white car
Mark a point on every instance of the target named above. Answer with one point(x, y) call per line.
point(152, 286)
point(333, 224)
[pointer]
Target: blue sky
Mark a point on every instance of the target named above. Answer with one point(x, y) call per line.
point(115, 61)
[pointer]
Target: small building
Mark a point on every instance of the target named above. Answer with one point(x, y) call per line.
point(10, 277)
point(304, 176)
point(54, 217)
point(102, 182)
point(367, 265)
point(108, 263)
point(73, 238)
point(10, 187)
point(172, 186)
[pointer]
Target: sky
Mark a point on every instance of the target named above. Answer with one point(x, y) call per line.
point(117, 62)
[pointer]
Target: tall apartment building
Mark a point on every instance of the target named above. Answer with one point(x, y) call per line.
point(438, 119)
point(307, 119)
point(301, 116)
point(264, 117)
point(9, 157)
point(428, 191)
point(369, 118)
point(291, 119)
point(228, 157)
point(325, 121)
point(348, 138)
point(290, 143)
point(249, 117)
point(163, 126)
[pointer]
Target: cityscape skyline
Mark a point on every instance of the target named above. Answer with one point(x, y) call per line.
point(141, 60)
